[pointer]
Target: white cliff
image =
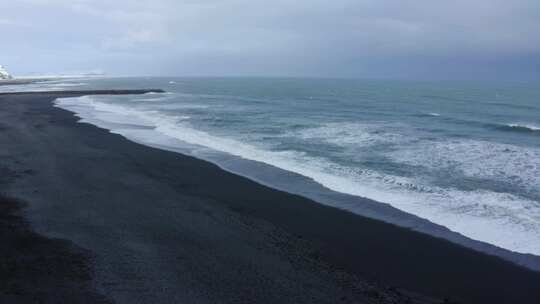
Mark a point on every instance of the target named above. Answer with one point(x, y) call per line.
point(4, 74)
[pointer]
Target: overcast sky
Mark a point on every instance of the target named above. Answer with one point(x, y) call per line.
point(337, 38)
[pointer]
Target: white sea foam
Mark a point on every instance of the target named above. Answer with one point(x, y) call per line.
point(427, 114)
point(357, 134)
point(529, 127)
point(501, 219)
point(182, 106)
point(479, 159)
point(92, 111)
point(160, 93)
point(65, 84)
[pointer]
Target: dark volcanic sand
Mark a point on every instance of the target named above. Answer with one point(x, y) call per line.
point(35, 269)
point(167, 228)
point(81, 92)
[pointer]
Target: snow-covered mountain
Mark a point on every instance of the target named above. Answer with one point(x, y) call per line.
point(4, 74)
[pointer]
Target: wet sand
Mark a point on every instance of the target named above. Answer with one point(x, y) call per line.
point(152, 226)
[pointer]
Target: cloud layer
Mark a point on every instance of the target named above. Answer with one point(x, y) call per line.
point(343, 38)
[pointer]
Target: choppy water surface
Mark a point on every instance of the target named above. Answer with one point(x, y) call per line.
point(462, 155)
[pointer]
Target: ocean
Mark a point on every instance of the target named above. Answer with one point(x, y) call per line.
point(461, 155)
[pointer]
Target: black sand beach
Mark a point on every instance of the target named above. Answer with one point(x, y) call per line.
point(117, 221)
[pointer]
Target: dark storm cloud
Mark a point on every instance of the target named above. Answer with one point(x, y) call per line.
point(385, 38)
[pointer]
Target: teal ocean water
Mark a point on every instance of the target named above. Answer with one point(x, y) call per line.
point(465, 156)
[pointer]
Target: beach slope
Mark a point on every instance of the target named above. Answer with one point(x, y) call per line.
point(161, 227)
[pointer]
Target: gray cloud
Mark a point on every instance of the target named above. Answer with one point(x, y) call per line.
point(351, 38)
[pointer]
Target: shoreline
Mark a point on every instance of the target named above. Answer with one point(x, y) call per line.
point(282, 178)
point(106, 189)
point(16, 81)
point(67, 93)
